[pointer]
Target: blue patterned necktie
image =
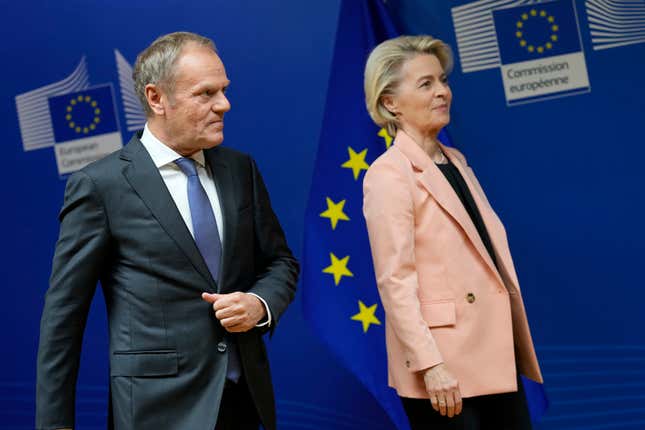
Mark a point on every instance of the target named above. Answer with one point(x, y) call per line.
point(207, 239)
point(205, 229)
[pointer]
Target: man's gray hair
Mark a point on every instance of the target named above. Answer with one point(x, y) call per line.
point(156, 64)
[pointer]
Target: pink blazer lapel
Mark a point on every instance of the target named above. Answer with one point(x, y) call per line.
point(436, 184)
point(491, 221)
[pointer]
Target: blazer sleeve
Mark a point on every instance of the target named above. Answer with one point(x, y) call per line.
point(80, 253)
point(279, 269)
point(389, 212)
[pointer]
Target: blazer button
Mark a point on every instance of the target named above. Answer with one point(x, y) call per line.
point(470, 298)
point(221, 347)
point(407, 363)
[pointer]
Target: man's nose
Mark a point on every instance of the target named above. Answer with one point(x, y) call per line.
point(221, 104)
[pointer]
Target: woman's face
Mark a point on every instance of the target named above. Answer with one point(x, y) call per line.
point(422, 100)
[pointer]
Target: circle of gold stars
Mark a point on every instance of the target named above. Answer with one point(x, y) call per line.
point(541, 15)
point(335, 212)
point(77, 102)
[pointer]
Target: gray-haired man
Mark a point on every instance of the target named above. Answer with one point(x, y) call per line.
point(192, 260)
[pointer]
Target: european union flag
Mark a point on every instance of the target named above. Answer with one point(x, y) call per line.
point(539, 30)
point(82, 114)
point(340, 297)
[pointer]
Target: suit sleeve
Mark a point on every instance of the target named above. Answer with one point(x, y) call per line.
point(276, 282)
point(80, 252)
point(389, 213)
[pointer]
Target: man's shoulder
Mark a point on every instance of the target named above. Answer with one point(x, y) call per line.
point(233, 159)
point(110, 167)
point(225, 152)
point(104, 165)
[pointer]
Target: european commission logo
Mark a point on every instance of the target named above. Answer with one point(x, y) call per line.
point(78, 120)
point(85, 127)
point(536, 46)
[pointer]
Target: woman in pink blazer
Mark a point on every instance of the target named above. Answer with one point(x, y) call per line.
point(456, 327)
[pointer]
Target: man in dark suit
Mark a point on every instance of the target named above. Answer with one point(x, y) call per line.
point(192, 260)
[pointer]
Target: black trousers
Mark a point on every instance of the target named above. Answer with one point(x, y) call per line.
point(506, 411)
point(237, 410)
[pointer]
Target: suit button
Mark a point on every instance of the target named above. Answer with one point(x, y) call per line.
point(407, 363)
point(221, 347)
point(470, 298)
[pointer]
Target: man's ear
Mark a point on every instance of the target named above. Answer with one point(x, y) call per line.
point(390, 104)
point(156, 99)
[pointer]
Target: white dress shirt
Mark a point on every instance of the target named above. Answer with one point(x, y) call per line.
point(177, 183)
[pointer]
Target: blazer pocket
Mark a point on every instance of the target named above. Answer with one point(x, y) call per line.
point(439, 314)
point(144, 363)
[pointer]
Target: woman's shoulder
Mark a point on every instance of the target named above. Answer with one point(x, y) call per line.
point(391, 163)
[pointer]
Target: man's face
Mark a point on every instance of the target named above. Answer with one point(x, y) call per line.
point(194, 109)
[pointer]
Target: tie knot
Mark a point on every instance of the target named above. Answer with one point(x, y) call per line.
point(187, 165)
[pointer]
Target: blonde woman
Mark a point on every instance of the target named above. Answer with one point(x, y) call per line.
point(456, 329)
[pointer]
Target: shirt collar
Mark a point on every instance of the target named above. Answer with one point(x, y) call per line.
point(161, 153)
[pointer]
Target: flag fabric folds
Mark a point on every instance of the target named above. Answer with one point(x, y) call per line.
point(340, 297)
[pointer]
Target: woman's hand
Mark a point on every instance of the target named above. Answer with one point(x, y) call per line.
point(443, 389)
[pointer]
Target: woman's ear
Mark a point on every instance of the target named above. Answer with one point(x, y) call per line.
point(390, 104)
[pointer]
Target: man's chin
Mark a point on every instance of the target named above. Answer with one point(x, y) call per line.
point(214, 141)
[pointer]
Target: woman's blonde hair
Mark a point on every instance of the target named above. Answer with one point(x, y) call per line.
point(382, 71)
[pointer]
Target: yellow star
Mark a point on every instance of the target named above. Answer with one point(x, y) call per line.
point(356, 162)
point(366, 315)
point(338, 268)
point(388, 139)
point(335, 212)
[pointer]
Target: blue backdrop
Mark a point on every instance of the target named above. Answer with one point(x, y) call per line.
point(563, 174)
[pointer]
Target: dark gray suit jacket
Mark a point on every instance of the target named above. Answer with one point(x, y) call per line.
point(120, 226)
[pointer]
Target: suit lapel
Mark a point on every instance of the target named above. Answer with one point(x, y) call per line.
point(438, 186)
point(223, 178)
point(146, 181)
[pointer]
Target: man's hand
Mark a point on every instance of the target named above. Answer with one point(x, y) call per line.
point(237, 312)
point(443, 390)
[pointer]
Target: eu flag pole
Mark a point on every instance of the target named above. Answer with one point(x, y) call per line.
point(340, 297)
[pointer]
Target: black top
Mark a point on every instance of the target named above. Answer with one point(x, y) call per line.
point(459, 185)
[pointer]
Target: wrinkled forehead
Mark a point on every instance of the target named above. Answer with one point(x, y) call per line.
point(199, 63)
